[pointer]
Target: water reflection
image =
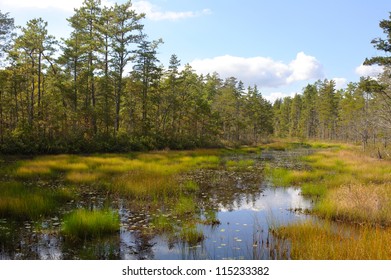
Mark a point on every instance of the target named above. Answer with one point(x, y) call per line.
point(243, 232)
point(235, 211)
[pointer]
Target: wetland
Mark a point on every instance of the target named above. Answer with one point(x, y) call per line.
point(269, 202)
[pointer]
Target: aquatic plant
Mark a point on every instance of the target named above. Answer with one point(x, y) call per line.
point(162, 223)
point(22, 202)
point(185, 206)
point(348, 185)
point(325, 241)
point(85, 224)
point(190, 186)
point(210, 218)
point(243, 164)
point(190, 234)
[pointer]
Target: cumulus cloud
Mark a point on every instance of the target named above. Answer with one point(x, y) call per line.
point(154, 12)
point(67, 5)
point(273, 96)
point(304, 67)
point(369, 70)
point(340, 83)
point(263, 71)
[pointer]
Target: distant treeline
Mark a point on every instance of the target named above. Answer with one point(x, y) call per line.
point(77, 95)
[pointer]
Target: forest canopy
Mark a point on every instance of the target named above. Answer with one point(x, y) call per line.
point(103, 89)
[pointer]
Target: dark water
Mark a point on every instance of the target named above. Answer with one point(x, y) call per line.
point(245, 206)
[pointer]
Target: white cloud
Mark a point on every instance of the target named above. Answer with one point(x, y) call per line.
point(273, 96)
point(340, 83)
point(262, 71)
point(67, 5)
point(369, 70)
point(304, 67)
point(154, 12)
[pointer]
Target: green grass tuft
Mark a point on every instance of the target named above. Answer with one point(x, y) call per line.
point(190, 234)
point(22, 202)
point(84, 224)
point(185, 206)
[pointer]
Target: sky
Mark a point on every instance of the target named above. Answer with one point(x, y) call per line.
point(280, 46)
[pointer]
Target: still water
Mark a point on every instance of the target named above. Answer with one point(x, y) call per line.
point(244, 204)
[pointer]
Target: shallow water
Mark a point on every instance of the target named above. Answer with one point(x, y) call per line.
point(243, 201)
point(243, 232)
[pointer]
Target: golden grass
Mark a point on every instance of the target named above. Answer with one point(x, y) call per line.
point(310, 241)
point(141, 184)
point(83, 177)
point(352, 186)
point(360, 203)
point(29, 171)
point(137, 174)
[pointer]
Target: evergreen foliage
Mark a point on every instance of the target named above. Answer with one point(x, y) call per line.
point(78, 95)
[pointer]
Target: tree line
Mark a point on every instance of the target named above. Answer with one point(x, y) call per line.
point(76, 94)
point(103, 89)
point(359, 113)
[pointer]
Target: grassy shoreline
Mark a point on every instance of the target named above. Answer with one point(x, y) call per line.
point(349, 188)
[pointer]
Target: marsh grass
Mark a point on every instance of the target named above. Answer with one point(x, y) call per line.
point(191, 234)
point(138, 175)
point(22, 202)
point(185, 207)
point(190, 186)
point(313, 190)
point(162, 224)
point(242, 150)
point(349, 185)
point(210, 218)
point(240, 165)
point(144, 185)
point(358, 203)
point(85, 224)
point(311, 241)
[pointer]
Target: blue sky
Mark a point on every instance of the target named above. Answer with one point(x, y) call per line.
point(279, 45)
